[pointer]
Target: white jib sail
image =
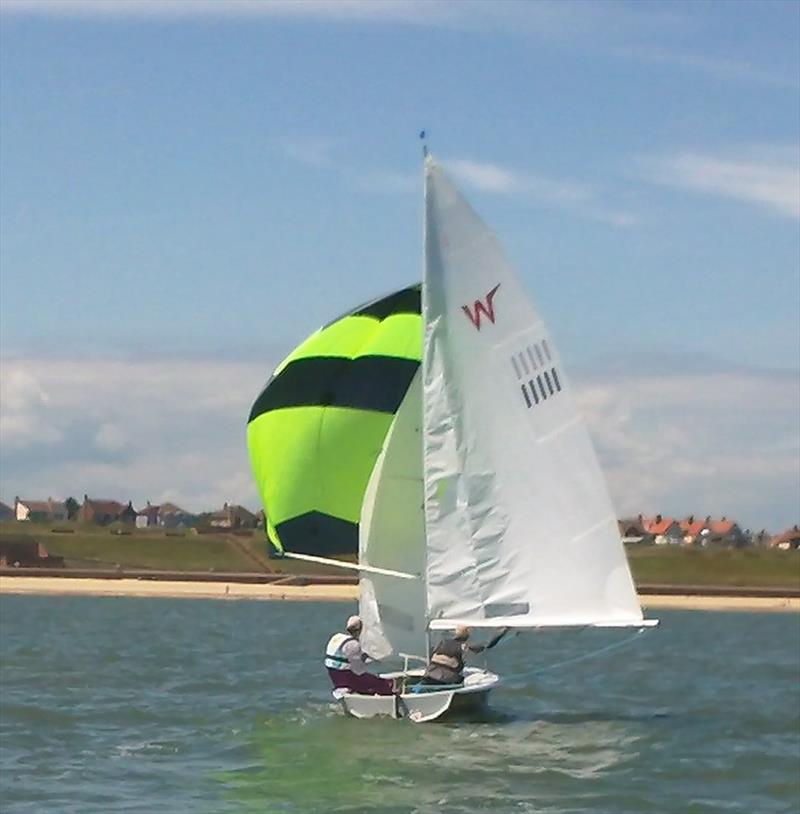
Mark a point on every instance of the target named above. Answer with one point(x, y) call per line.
point(392, 535)
point(520, 527)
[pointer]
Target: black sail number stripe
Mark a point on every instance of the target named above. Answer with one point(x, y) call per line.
point(376, 383)
point(406, 301)
point(318, 533)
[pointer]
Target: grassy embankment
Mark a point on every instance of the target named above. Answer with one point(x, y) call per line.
point(751, 568)
point(103, 549)
point(94, 547)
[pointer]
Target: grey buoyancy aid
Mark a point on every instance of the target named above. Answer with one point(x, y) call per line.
point(447, 662)
point(335, 659)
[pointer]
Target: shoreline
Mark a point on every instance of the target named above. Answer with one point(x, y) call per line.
point(176, 589)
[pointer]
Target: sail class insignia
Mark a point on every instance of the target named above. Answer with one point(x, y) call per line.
point(537, 382)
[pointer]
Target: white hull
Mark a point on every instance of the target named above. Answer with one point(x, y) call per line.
point(425, 705)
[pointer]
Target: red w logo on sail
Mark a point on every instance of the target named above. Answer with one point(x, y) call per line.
point(479, 308)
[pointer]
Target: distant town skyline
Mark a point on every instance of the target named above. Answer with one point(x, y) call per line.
point(53, 514)
point(190, 189)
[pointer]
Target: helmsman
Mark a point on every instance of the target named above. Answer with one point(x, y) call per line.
point(345, 661)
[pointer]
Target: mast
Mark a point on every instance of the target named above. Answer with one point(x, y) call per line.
point(426, 160)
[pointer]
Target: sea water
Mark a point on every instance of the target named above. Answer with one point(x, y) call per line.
point(176, 705)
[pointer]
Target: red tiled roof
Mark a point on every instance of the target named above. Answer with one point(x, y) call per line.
point(42, 505)
point(652, 525)
point(721, 526)
point(692, 529)
point(788, 536)
point(107, 506)
point(36, 505)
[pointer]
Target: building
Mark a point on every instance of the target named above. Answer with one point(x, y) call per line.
point(761, 538)
point(165, 515)
point(148, 516)
point(724, 532)
point(664, 530)
point(104, 512)
point(40, 511)
point(694, 531)
point(6, 512)
point(632, 530)
point(232, 517)
point(21, 551)
point(786, 540)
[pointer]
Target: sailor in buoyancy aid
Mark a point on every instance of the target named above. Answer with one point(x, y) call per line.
point(446, 664)
point(345, 661)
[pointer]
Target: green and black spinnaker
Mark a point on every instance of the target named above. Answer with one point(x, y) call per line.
point(318, 426)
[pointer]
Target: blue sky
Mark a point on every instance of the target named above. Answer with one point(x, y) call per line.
point(190, 188)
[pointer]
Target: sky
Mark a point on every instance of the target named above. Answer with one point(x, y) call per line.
point(188, 189)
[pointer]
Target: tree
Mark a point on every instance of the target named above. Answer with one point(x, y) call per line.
point(73, 507)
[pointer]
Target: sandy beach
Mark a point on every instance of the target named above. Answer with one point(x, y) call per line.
point(173, 589)
point(233, 590)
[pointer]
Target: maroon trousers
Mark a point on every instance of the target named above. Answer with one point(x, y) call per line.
point(365, 684)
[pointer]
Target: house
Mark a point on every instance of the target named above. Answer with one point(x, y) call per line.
point(632, 530)
point(147, 517)
point(40, 511)
point(724, 532)
point(761, 538)
point(694, 531)
point(174, 517)
point(6, 512)
point(165, 515)
point(665, 530)
point(21, 551)
point(103, 512)
point(786, 540)
point(232, 517)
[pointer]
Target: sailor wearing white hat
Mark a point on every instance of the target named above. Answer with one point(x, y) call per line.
point(345, 661)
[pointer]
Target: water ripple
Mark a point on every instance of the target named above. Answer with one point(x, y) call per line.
point(147, 706)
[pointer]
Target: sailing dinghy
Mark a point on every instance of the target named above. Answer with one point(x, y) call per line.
point(484, 505)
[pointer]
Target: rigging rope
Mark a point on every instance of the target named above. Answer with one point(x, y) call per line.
point(606, 649)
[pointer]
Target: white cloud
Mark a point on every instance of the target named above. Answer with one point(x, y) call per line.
point(771, 182)
point(110, 437)
point(607, 25)
point(700, 442)
point(586, 25)
point(677, 442)
point(388, 181)
point(486, 177)
point(545, 15)
point(494, 179)
point(419, 12)
point(142, 430)
point(313, 151)
point(325, 153)
point(718, 67)
point(579, 198)
point(23, 410)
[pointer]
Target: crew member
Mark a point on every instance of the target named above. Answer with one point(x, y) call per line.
point(446, 664)
point(345, 661)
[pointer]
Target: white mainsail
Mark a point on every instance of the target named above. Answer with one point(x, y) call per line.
point(520, 529)
point(487, 486)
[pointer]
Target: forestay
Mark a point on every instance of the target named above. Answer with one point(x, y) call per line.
point(520, 527)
